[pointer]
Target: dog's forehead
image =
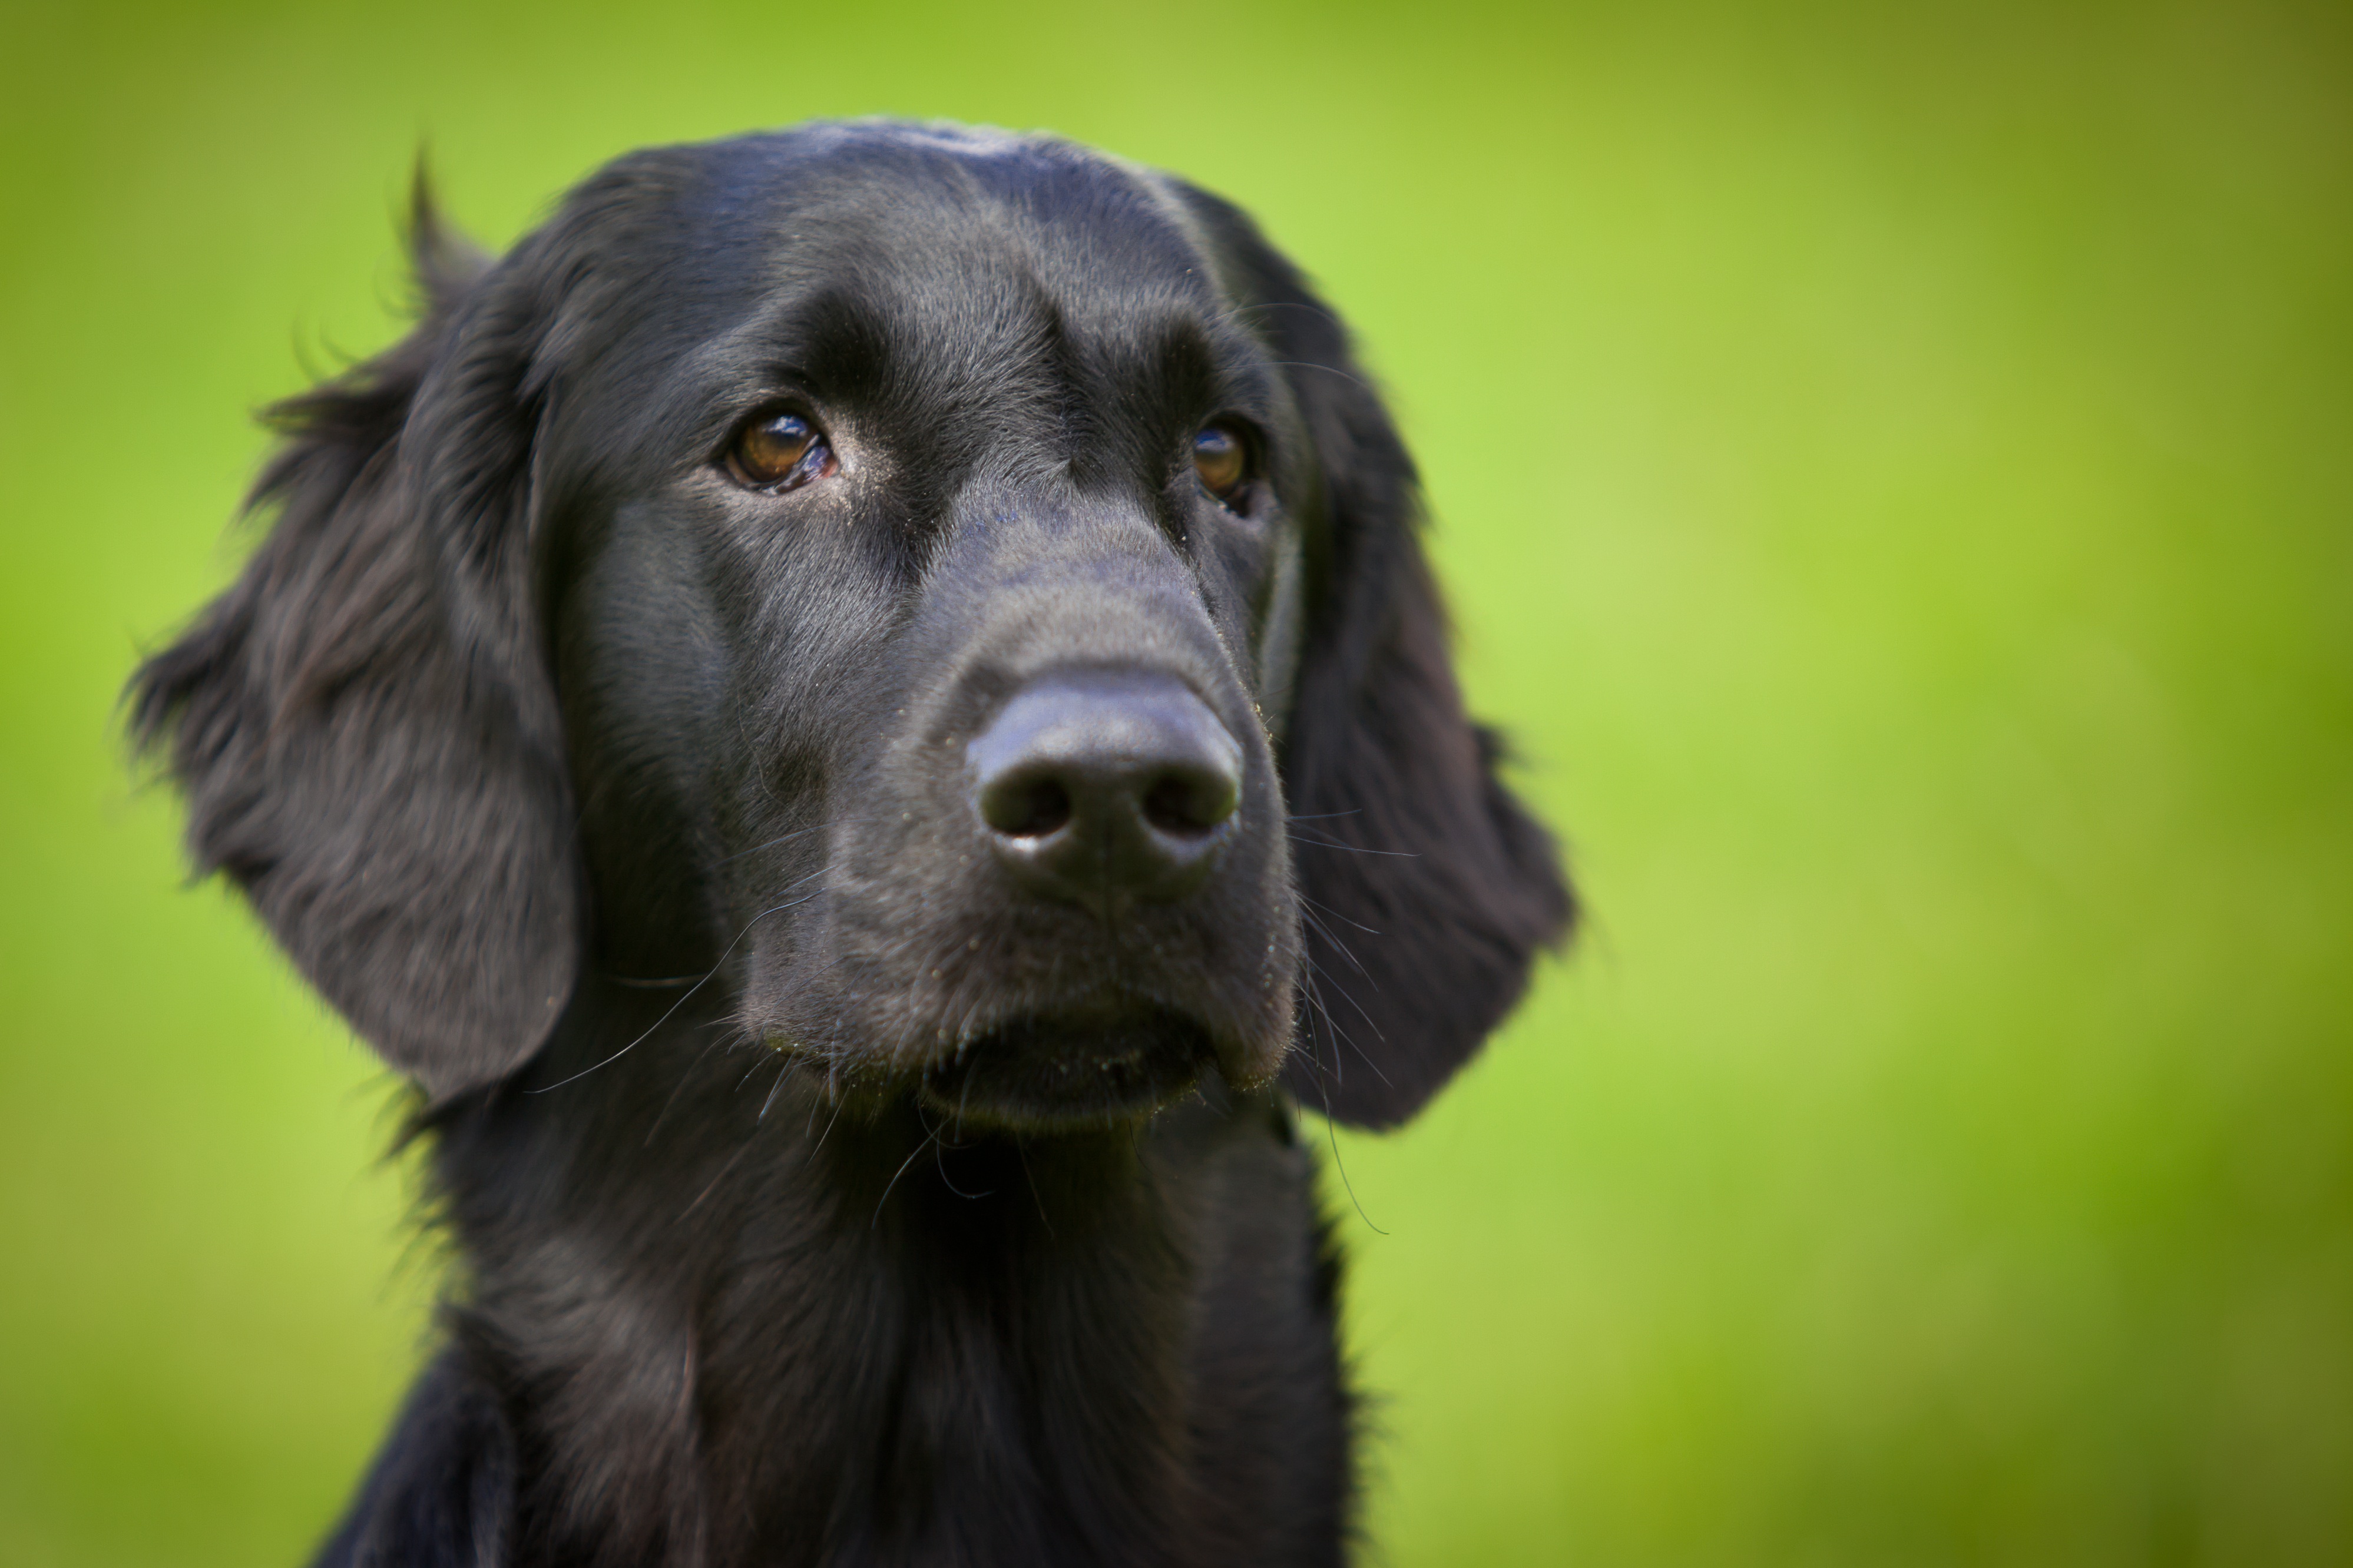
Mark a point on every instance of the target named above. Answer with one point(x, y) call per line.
point(928, 230)
point(903, 202)
point(952, 278)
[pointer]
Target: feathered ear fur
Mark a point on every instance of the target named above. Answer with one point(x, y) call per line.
point(362, 723)
point(1429, 890)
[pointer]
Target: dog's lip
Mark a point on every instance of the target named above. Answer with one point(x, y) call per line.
point(1095, 1062)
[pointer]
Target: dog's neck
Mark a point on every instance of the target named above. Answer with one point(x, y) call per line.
point(852, 1335)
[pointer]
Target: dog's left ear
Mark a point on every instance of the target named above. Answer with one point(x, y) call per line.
point(1429, 890)
point(364, 723)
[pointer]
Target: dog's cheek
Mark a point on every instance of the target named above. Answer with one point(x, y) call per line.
point(926, 953)
point(1259, 986)
point(895, 928)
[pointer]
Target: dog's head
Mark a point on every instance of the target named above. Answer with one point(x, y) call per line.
point(953, 590)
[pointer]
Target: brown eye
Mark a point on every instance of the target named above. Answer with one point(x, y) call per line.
point(780, 452)
point(1219, 459)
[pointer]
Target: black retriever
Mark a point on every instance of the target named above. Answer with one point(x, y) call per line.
point(864, 715)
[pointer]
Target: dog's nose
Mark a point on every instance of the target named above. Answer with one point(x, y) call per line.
point(1104, 787)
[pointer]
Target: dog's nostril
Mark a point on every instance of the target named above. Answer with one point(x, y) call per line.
point(1026, 808)
point(1099, 787)
point(1188, 804)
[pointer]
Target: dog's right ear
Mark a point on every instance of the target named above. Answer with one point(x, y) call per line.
point(1413, 851)
point(363, 724)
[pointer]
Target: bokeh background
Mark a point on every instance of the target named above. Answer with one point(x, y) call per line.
point(1892, 466)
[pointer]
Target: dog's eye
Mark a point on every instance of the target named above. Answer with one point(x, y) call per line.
point(1221, 461)
point(779, 451)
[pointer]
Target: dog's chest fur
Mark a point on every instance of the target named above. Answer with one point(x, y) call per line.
point(850, 1344)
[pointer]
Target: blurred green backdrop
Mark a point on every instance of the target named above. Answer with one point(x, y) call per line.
point(1893, 469)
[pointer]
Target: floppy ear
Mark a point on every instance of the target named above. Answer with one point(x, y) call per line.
point(362, 723)
point(1428, 888)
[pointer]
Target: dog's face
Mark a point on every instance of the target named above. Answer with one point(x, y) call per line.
point(928, 583)
point(911, 580)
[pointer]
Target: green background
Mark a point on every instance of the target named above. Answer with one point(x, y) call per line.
point(1892, 468)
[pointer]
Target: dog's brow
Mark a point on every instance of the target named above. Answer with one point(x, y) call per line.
point(815, 346)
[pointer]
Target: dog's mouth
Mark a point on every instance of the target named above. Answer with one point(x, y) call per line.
point(1054, 1070)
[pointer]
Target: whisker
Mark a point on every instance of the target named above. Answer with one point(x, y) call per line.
point(940, 1164)
point(1312, 309)
point(1323, 1089)
point(1315, 923)
point(782, 838)
point(1353, 849)
point(1332, 1136)
point(1337, 915)
point(828, 1126)
point(1369, 1060)
point(783, 1071)
point(894, 1179)
point(1328, 370)
point(1315, 1003)
point(682, 1001)
point(1021, 1152)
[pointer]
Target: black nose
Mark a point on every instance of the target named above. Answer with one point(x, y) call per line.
point(1104, 787)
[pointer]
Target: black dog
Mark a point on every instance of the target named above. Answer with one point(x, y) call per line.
point(858, 713)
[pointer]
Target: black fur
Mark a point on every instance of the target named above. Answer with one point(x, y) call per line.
point(818, 1195)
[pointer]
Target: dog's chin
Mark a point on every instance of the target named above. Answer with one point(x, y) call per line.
point(1064, 1071)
